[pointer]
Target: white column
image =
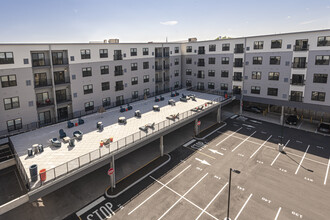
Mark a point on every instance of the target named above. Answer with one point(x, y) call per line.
point(282, 115)
point(161, 146)
point(196, 127)
point(113, 177)
point(219, 114)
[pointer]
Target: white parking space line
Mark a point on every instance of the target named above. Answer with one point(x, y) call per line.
point(279, 153)
point(158, 190)
point(302, 160)
point(212, 200)
point(91, 205)
point(243, 207)
point(278, 213)
point(243, 141)
point(326, 174)
point(261, 146)
point(181, 197)
point(228, 136)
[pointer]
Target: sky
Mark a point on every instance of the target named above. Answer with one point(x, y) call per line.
point(55, 21)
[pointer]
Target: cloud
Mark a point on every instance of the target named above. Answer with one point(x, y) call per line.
point(289, 17)
point(75, 11)
point(307, 22)
point(169, 23)
point(328, 6)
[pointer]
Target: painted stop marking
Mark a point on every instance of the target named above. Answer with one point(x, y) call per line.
point(111, 171)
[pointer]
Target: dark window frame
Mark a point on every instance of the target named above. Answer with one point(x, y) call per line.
point(276, 44)
point(256, 75)
point(85, 54)
point(258, 45)
point(88, 89)
point(104, 69)
point(4, 58)
point(103, 53)
point(10, 83)
point(274, 76)
point(105, 86)
point(212, 47)
point(318, 96)
point(12, 104)
point(87, 71)
point(320, 78)
point(89, 107)
point(15, 125)
point(272, 91)
point(255, 90)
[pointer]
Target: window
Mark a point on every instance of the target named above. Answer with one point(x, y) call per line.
point(189, 49)
point(176, 61)
point(188, 72)
point(224, 86)
point(104, 70)
point(225, 47)
point(11, 103)
point(322, 60)
point(272, 91)
point(119, 86)
point(89, 106)
point(44, 118)
point(87, 71)
point(118, 70)
point(176, 49)
point(200, 62)
point(88, 89)
point(106, 102)
point(238, 62)
point(200, 86)
point(103, 53)
point(224, 73)
point(43, 99)
point(176, 72)
point(117, 55)
point(133, 52)
point(58, 58)
point(239, 48)
point(210, 85)
point(225, 60)
point(188, 83)
point(275, 60)
point(200, 74)
point(40, 79)
point(212, 47)
point(188, 60)
point(85, 54)
point(146, 91)
point(258, 45)
point(255, 89)
point(176, 84)
point(257, 60)
point(321, 41)
point(273, 76)
point(134, 80)
point(38, 59)
point(276, 44)
point(146, 78)
point(145, 51)
point(135, 94)
point(105, 86)
point(212, 73)
point(6, 58)
point(320, 78)
point(211, 60)
point(237, 76)
point(318, 96)
point(8, 81)
point(134, 66)
point(14, 124)
point(145, 65)
point(201, 50)
point(256, 75)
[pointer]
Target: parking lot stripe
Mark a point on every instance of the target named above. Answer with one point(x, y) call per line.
point(181, 197)
point(261, 146)
point(326, 174)
point(243, 141)
point(278, 213)
point(200, 152)
point(212, 201)
point(279, 153)
point(158, 190)
point(302, 160)
point(228, 136)
point(243, 207)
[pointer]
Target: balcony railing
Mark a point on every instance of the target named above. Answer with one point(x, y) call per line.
point(237, 78)
point(166, 54)
point(201, 51)
point(200, 88)
point(238, 50)
point(63, 61)
point(62, 99)
point(133, 53)
point(200, 64)
point(300, 48)
point(295, 98)
point(166, 67)
point(117, 57)
point(159, 55)
point(238, 64)
point(62, 81)
point(159, 80)
point(45, 102)
point(118, 72)
point(167, 79)
point(40, 63)
point(159, 67)
point(42, 83)
point(297, 82)
point(119, 87)
point(299, 65)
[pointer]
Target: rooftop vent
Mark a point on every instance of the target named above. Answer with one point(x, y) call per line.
point(113, 41)
point(194, 39)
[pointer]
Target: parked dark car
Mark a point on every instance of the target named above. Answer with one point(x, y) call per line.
point(253, 109)
point(292, 120)
point(324, 128)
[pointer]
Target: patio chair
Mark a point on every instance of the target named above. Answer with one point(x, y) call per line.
point(137, 114)
point(157, 99)
point(62, 133)
point(55, 142)
point(151, 125)
point(129, 107)
point(80, 121)
point(122, 109)
point(144, 128)
point(161, 98)
point(78, 135)
point(70, 124)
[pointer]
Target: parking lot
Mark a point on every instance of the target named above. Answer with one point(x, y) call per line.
point(272, 185)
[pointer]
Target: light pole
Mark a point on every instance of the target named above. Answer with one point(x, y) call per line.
point(235, 171)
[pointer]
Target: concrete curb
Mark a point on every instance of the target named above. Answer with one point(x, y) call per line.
point(200, 139)
point(124, 190)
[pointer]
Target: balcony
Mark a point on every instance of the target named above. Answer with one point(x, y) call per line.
point(300, 47)
point(238, 64)
point(41, 63)
point(63, 61)
point(167, 79)
point(117, 57)
point(237, 78)
point(201, 51)
point(297, 82)
point(238, 50)
point(159, 67)
point(62, 81)
point(159, 55)
point(166, 67)
point(119, 87)
point(299, 65)
point(296, 98)
point(200, 63)
point(200, 76)
point(62, 98)
point(166, 54)
point(42, 83)
point(118, 72)
point(45, 102)
point(237, 91)
point(200, 87)
point(159, 80)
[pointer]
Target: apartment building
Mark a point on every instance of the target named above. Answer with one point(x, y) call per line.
point(45, 83)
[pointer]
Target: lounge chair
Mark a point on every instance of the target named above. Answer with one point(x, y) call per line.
point(171, 102)
point(62, 133)
point(137, 114)
point(150, 125)
point(70, 124)
point(80, 121)
point(157, 99)
point(122, 109)
point(129, 107)
point(161, 98)
point(78, 135)
point(144, 128)
point(55, 142)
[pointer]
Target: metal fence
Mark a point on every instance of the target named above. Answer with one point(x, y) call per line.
point(114, 147)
